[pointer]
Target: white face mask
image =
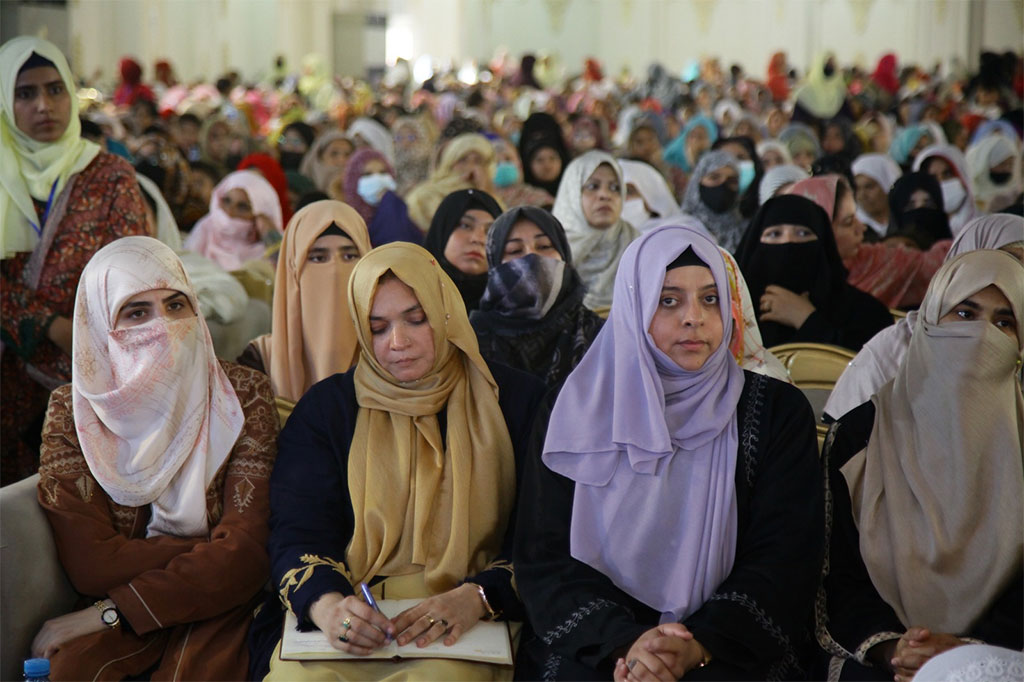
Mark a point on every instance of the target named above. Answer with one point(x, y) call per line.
point(953, 195)
point(634, 212)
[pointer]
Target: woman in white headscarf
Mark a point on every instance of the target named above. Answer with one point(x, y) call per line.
point(873, 177)
point(925, 487)
point(61, 199)
point(589, 206)
point(878, 360)
point(155, 477)
point(649, 201)
point(947, 163)
point(994, 163)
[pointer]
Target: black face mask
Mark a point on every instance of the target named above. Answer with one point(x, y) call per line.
point(719, 199)
point(925, 225)
point(829, 70)
point(797, 267)
point(290, 160)
point(999, 178)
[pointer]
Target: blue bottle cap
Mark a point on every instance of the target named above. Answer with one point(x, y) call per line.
point(37, 667)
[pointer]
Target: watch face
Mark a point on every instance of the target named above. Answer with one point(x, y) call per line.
point(110, 616)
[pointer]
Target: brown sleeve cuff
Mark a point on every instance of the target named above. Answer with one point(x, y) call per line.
point(133, 608)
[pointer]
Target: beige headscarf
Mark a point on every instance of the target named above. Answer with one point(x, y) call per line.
point(424, 199)
point(313, 335)
point(313, 166)
point(30, 169)
point(420, 502)
point(154, 411)
point(938, 494)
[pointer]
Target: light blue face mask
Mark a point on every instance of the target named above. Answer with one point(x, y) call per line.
point(747, 174)
point(371, 188)
point(506, 174)
point(514, 136)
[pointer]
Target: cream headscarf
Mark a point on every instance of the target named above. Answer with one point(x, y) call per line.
point(424, 199)
point(595, 253)
point(30, 169)
point(154, 411)
point(938, 494)
point(422, 502)
point(313, 336)
point(313, 166)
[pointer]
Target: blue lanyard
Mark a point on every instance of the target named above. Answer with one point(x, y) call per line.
point(46, 211)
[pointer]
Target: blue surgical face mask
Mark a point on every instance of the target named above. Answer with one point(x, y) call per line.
point(371, 188)
point(514, 137)
point(506, 174)
point(747, 174)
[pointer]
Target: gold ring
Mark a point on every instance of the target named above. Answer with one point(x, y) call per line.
point(432, 621)
point(347, 623)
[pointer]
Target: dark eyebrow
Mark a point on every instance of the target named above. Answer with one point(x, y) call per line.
point(1006, 311)
point(970, 304)
point(173, 296)
point(349, 247)
point(136, 304)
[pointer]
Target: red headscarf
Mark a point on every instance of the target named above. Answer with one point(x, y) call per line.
point(885, 74)
point(778, 78)
point(271, 171)
point(131, 87)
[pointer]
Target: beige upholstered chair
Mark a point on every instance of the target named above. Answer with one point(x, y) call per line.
point(814, 369)
point(33, 586)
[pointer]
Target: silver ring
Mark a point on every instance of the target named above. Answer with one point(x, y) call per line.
point(631, 664)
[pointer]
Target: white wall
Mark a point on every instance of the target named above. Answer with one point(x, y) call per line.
point(204, 38)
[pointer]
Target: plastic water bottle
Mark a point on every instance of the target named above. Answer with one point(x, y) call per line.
point(37, 670)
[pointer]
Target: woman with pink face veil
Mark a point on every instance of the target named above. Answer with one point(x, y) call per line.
point(154, 475)
point(244, 219)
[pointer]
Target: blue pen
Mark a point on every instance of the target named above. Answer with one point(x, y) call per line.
point(373, 604)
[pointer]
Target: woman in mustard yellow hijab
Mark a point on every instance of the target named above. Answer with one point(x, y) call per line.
point(401, 474)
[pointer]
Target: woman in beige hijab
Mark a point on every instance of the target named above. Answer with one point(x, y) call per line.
point(926, 487)
point(312, 336)
point(401, 474)
point(466, 162)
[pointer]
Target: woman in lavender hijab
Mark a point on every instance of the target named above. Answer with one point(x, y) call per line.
point(670, 520)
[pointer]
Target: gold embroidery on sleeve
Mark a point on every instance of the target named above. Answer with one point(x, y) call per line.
point(292, 580)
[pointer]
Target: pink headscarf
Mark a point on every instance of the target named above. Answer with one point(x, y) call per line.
point(231, 241)
point(820, 189)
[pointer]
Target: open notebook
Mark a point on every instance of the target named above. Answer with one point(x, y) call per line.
point(485, 643)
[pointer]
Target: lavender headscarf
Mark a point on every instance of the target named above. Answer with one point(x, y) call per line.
point(659, 446)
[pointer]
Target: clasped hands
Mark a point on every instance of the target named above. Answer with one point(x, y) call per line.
point(781, 305)
point(915, 648)
point(449, 614)
point(664, 653)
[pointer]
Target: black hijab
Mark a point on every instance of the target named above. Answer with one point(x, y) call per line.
point(924, 226)
point(814, 267)
point(444, 222)
point(548, 224)
point(541, 131)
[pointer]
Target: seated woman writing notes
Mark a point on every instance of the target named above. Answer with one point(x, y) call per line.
point(669, 523)
point(400, 473)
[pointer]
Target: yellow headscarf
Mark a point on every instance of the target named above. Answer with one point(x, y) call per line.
point(313, 336)
point(422, 502)
point(31, 169)
point(424, 199)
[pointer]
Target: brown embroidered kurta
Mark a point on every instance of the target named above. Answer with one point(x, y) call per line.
point(100, 204)
point(185, 603)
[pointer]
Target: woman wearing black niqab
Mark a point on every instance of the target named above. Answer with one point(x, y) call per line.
point(797, 280)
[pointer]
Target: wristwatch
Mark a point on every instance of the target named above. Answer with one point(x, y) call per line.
point(111, 618)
